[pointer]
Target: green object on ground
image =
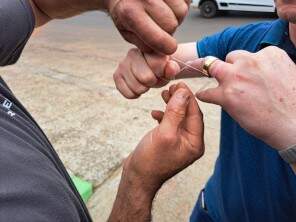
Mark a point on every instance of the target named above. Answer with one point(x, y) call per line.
point(84, 188)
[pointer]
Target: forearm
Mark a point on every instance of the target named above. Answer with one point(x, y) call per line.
point(46, 10)
point(133, 202)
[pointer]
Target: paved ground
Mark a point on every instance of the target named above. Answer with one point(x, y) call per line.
point(64, 78)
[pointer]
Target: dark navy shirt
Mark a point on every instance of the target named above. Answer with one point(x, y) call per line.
point(34, 185)
point(251, 183)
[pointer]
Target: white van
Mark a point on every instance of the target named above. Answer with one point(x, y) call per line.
point(209, 8)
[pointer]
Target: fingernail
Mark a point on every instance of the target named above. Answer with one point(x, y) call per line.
point(182, 97)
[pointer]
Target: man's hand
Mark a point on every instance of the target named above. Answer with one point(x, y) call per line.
point(139, 72)
point(149, 24)
point(166, 150)
point(259, 91)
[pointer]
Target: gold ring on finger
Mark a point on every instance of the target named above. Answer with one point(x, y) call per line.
point(209, 61)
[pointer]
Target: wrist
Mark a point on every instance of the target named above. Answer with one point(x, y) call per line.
point(139, 181)
point(284, 136)
point(133, 202)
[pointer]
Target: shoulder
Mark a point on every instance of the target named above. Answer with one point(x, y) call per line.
point(246, 37)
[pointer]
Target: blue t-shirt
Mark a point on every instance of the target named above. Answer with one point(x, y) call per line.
point(250, 182)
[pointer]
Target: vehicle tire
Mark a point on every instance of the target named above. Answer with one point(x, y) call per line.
point(208, 9)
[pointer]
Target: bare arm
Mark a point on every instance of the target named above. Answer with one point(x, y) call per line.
point(147, 24)
point(133, 202)
point(46, 10)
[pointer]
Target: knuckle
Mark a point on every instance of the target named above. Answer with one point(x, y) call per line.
point(148, 80)
point(218, 68)
point(132, 52)
point(183, 10)
point(171, 25)
point(140, 90)
point(250, 62)
point(168, 137)
point(230, 57)
point(229, 93)
point(176, 111)
point(197, 150)
point(131, 96)
point(273, 51)
point(128, 15)
point(233, 56)
point(115, 77)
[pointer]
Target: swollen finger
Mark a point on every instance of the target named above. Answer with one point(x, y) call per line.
point(192, 69)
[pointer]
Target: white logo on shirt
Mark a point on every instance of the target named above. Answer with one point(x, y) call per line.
point(12, 114)
point(7, 104)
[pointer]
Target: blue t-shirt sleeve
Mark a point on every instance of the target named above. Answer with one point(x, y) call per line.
point(16, 26)
point(217, 45)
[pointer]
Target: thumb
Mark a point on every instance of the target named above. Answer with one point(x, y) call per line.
point(176, 111)
point(171, 70)
point(213, 95)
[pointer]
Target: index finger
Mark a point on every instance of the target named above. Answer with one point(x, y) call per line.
point(140, 23)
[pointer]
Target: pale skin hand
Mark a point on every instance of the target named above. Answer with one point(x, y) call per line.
point(165, 151)
point(138, 72)
point(258, 90)
point(147, 24)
